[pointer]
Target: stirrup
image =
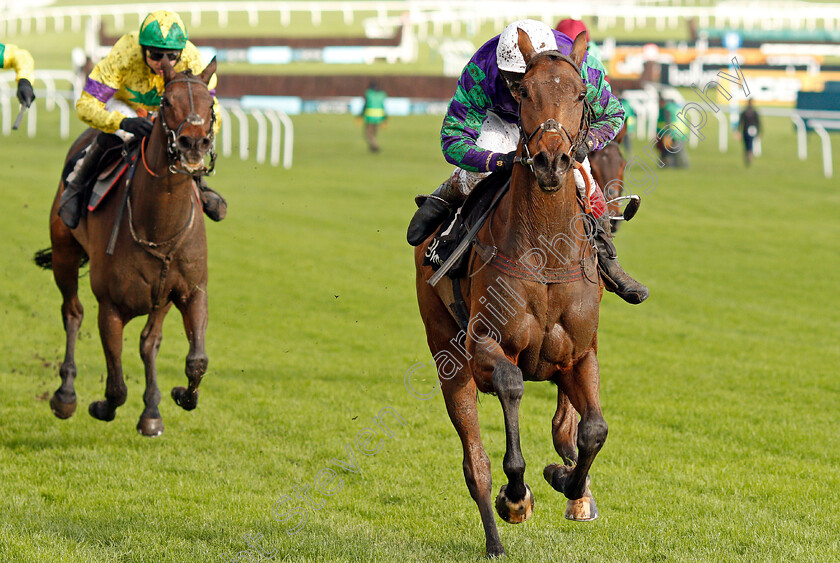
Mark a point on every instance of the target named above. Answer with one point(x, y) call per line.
point(629, 211)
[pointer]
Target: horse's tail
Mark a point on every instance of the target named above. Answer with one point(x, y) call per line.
point(43, 258)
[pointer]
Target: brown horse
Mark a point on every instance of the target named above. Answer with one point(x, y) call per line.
point(529, 319)
point(159, 257)
point(608, 170)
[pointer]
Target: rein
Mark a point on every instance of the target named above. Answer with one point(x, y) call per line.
point(172, 151)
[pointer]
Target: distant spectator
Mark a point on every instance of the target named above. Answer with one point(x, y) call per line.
point(629, 123)
point(373, 114)
point(750, 127)
point(671, 135)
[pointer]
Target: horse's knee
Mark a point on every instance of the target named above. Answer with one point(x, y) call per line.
point(507, 381)
point(592, 434)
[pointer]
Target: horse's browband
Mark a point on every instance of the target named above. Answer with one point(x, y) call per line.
point(552, 53)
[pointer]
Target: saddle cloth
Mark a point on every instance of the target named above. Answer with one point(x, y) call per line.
point(460, 221)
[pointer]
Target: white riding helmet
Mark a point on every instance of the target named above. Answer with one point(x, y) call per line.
point(508, 56)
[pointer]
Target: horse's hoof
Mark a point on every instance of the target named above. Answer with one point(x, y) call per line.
point(514, 512)
point(495, 551)
point(184, 399)
point(60, 409)
point(150, 427)
point(100, 410)
point(583, 509)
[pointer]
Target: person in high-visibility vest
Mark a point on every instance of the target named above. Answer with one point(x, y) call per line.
point(12, 56)
point(373, 114)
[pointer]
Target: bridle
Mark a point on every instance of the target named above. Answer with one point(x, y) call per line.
point(173, 153)
point(552, 125)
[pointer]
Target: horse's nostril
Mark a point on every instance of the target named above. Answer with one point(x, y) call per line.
point(541, 161)
point(185, 143)
point(203, 144)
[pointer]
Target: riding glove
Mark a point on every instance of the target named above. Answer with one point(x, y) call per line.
point(139, 126)
point(505, 161)
point(584, 149)
point(25, 94)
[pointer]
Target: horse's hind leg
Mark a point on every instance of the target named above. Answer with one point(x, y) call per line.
point(66, 256)
point(111, 333)
point(151, 423)
point(582, 388)
point(515, 502)
point(195, 324)
point(564, 429)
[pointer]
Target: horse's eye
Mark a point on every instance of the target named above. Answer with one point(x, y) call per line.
point(582, 95)
point(523, 92)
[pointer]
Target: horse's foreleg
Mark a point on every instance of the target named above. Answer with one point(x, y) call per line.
point(582, 387)
point(515, 502)
point(195, 325)
point(460, 396)
point(151, 423)
point(111, 332)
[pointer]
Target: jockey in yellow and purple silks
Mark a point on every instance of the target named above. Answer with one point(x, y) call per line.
point(130, 81)
point(19, 59)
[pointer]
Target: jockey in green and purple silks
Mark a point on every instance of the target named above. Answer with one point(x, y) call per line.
point(480, 132)
point(12, 56)
point(122, 88)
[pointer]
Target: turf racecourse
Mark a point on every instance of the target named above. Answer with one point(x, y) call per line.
point(721, 392)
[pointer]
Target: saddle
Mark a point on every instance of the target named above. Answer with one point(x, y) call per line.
point(115, 161)
point(461, 221)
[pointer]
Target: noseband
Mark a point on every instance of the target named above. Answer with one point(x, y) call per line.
point(552, 125)
point(173, 153)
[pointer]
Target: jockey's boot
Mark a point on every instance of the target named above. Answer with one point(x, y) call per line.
point(432, 210)
point(214, 205)
point(615, 278)
point(71, 203)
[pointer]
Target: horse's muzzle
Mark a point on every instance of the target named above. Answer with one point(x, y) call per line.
point(551, 169)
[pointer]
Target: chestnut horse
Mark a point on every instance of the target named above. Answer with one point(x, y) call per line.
point(527, 321)
point(159, 257)
point(608, 170)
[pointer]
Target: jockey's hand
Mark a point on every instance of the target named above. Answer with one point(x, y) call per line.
point(139, 126)
point(584, 149)
point(25, 94)
point(505, 161)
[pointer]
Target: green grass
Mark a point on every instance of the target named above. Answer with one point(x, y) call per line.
point(720, 391)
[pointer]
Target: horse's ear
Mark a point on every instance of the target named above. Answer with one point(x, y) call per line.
point(168, 71)
point(525, 46)
point(579, 48)
point(208, 71)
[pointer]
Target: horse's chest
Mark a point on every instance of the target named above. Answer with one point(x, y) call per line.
point(557, 345)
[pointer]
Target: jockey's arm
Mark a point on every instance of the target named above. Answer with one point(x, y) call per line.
point(608, 113)
point(19, 59)
point(103, 82)
point(462, 124)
